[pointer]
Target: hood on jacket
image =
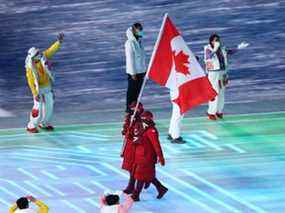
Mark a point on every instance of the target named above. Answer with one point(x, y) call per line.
point(130, 34)
point(31, 53)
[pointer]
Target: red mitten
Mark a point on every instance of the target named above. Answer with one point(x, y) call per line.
point(126, 124)
point(162, 161)
point(35, 113)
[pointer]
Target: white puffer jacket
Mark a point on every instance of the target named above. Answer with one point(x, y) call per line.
point(135, 55)
point(211, 58)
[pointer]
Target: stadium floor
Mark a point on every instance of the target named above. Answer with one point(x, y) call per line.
point(232, 165)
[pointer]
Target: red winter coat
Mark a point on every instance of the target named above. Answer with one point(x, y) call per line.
point(128, 155)
point(132, 136)
point(126, 124)
point(147, 152)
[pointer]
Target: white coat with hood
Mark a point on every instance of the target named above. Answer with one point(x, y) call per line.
point(135, 54)
point(217, 77)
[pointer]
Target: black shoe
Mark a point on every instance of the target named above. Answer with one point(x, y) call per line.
point(220, 115)
point(135, 197)
point(162, 192)
point(178, 140)
point(47, 128)
point(169, 137)
point(146, 185)
point(128, 191)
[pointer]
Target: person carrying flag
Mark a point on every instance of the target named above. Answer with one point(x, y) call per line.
point(147, 153)
point(129, 132)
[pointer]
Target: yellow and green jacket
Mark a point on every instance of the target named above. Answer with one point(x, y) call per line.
point(43, 77)
point(43, 208)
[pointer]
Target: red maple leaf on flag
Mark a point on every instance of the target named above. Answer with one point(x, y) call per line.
point(181, 61)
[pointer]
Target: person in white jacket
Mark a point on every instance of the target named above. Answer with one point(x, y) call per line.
point(22, 205)
point(216, 60)
point(174, 130)
point(135, 62)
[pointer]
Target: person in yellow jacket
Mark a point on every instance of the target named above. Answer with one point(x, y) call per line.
point(22, 206)
point(40, 81)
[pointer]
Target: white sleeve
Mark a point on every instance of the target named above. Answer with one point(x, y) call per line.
point(130, 59)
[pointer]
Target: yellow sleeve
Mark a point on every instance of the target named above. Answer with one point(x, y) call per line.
point(13, 208)
point(31, 81)
point(43, 208)
point(52, 50)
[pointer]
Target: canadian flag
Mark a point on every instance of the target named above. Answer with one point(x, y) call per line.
point(174, 66)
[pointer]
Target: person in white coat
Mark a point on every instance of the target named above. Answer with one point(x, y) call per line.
point(174, 130)
point(216, 60)
point(135, 62)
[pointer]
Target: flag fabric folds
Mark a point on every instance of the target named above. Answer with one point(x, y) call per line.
point(173, 65)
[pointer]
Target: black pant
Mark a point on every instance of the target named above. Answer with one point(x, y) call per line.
point(134, 87)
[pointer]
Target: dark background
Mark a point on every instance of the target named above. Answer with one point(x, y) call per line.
point(90, 74)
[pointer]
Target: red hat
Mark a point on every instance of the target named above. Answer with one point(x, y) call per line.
point(140, 107)
point(147, 116)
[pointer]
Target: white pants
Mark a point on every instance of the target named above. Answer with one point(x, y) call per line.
point(217, 81)
point(175, 121)
point(43, 109)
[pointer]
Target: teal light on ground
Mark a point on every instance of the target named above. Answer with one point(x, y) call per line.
point(232, 165)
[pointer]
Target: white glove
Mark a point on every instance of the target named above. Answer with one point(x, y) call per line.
point(216, 46)
point(243, 45)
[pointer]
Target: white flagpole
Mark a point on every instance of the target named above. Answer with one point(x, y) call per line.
point(149, 65)
point(146, 76)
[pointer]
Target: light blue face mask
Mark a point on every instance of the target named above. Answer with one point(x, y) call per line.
point(140, 33)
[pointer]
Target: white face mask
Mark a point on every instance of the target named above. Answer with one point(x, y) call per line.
point(37, 57)
point(217, 44)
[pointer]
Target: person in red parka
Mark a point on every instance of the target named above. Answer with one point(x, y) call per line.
point(128, 152)
point(147, 153)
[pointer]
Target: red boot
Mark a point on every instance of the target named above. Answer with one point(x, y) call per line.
point(32, 130)
point(212, 117)
point(220, 115)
